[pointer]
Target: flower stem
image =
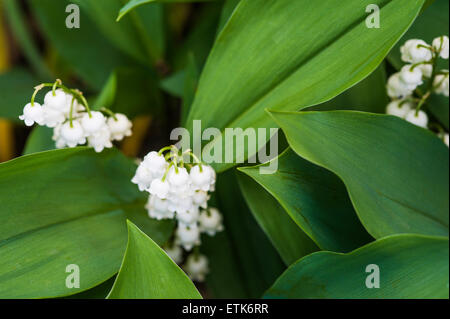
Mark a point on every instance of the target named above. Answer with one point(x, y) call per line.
point(71, 112)
point(109, 112)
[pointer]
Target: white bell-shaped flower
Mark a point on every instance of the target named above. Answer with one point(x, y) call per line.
point(179, 181)
point(419, 119)
point(93, 123)
point(399, 108)
point(188, 236)
point(445, 139)
point(155, 163)
point(415, 51)
point(52, 117)
point(59, 142)
point(200, 198)
point(160, 188)
point(412, 77)
point(120, 126)
point(211, 221)
point(32, 114)
point(196, 267)
point(143, 177)
point(189, 217)
point(180, 204)
point(442, 44)
point(201, 177)
point(441, 84)
point(426, 69)
point(100, 140)
point(72, 134)
point(59, 100)
point(157, 208)
point(396, 88)
point(175, 252)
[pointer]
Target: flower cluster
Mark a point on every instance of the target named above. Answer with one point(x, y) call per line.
point(180, 190)
point(68, 113)
point(421, 69)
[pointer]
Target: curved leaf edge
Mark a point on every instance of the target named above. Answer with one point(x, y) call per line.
point(350, 193)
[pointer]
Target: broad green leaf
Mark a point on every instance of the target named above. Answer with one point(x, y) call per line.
point(308, 53)
point(133, 4)
point(315, 199)
point(148, 273)
point(431, 23)
point(85, 49)
point(16, 88)
point(289, 240)
point(410, 267)
point(66, 207)
point(369, 95)
point(228, 8)
point(396, 173)
point(256, 260)
point(40, 139)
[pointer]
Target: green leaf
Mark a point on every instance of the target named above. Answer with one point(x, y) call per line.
point(228, 8)
point(289, 240)
point(431, 23)
point(40, 139)
point(369, 95)
point(410, 267)
point(148, 273)
point(250, 247)
point(85, 49)
point(66, 207)
point(395, 172)
point(308, 53)
point(133, 4)
point(16, 87)
point(315, 199)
